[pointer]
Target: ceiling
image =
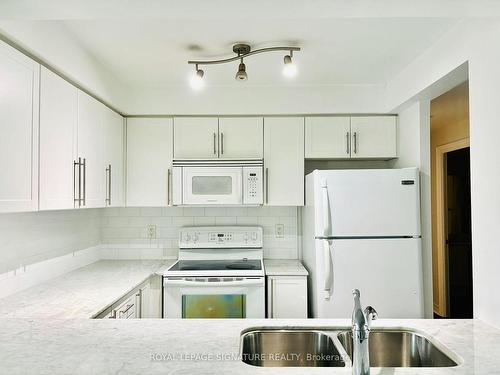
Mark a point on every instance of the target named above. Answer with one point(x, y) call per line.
point(334, 50)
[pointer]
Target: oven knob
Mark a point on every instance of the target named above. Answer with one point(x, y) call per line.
point(246, 237)
point(195, 237)
point(254, 236)
point(188, 237)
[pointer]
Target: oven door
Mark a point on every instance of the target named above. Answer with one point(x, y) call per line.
point(212, 185)
point(214, 297)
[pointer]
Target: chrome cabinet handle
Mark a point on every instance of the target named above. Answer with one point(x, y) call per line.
point(347, 143)
point(267, 185)
point(215, 143)
point(108, 185)
point(138, 310)
point(76, 200)
point(168, 186)
point(84, 195)
point(355, 142)
point(222, 143)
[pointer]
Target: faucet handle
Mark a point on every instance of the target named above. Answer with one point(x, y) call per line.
point(370, 314)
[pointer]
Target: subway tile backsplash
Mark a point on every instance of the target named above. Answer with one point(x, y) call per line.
point(124, 230)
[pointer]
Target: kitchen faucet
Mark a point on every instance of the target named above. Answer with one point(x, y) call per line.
point(361, 322)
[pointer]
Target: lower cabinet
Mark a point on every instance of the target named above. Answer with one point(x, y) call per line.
point(287, 297)
point(143, 302)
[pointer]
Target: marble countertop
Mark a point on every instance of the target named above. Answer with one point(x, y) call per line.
point(156, 346)
point(81, 293)
point(284, 267)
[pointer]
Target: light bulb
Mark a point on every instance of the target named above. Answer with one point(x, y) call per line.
point(197, 82)
point(289, 69)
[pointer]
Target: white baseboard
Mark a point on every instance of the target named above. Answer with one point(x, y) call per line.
point(33, 274)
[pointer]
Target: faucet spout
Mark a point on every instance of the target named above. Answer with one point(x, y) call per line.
point(361, 323)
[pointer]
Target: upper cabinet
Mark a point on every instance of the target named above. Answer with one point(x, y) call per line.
point(90, 151)
point(149, 161)
point(19, 109)
point(58, 142)
point(327, 137)
point(359, 137)
point(241, 137)
point(223, 138)
point(113, 158)
point(196, 138)
point(374, 137)
point(284, 161)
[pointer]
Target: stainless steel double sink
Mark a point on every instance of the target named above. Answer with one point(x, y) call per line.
point(309, 347)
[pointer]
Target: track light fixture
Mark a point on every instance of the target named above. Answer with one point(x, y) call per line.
point(243, 51)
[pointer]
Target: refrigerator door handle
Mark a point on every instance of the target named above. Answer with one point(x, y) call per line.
point(328, 270)
point(325, 207)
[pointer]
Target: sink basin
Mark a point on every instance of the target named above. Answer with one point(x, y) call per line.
point(400, 348)
point(289, 348)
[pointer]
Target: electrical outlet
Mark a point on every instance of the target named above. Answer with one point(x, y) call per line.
point(279, 230)
point(151, 231)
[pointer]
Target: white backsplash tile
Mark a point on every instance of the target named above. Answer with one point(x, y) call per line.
point(120, 236)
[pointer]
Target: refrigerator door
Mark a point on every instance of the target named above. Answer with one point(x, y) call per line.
point(367, 203)
point(386, 271)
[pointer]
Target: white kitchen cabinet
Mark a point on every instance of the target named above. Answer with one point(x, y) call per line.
point(284, 161)
point(196, 138)
point(19, 110)
point(374, 137)
point(327, 137)
point(113, 158)
point(149, 161)
point(90, 150)
point(58, 142)
point(287, 297)
point(241, 137)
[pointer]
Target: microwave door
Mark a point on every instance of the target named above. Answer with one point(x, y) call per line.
point(212, 185)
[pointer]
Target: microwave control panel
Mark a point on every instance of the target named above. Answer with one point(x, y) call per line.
point(253, 185)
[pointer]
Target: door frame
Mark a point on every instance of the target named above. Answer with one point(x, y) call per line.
point(442, 308)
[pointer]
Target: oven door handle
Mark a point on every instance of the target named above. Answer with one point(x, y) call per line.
point(246, 282)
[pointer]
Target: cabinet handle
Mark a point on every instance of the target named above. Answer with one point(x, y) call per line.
point(267, 185)
point(138, 310)
point(355, 142)
point(347, 143)
point(76, 200)
point(108, 185)
point(215, 143)
point(84, 197)
point(168, 186)
point(222, 143)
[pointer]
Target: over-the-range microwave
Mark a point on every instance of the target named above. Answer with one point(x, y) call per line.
point(217, 182)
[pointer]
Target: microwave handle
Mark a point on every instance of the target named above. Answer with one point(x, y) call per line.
point(182, 282)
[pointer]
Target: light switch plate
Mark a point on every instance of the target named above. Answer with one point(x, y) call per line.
point(279, 230)
point(151, 231)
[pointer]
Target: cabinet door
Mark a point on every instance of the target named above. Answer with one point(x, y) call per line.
point(287, 297)
point(284, 161)
point(327, 137)
point(113, 157)
point(19, 108)
point(241, 137)
point(196, 138)
point(58, 131)
point(374, 137)
point(90, 141)
point(149, 161)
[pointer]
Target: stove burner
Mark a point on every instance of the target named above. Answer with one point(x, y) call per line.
point(241, 266)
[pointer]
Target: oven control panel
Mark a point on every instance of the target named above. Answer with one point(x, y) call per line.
point(220, 237)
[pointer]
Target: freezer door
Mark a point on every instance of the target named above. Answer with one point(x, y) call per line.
point(388, 273)
point(367, 203)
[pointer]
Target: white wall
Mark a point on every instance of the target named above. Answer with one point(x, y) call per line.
point(27, 238)
point(414, 147)
point(54, 45)
point(124, 232)
point(472, 41)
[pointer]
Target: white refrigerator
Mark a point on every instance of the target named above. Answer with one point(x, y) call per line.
point(361, 229)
